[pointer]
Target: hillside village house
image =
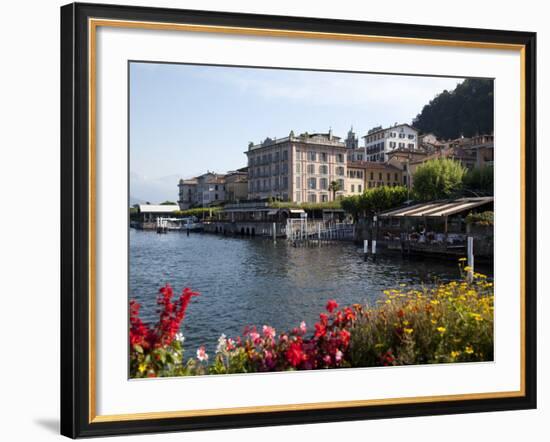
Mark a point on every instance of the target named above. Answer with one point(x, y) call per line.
point(380, 142)
point(297, 168)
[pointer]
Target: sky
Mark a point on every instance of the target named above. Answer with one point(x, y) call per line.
point(187, 119)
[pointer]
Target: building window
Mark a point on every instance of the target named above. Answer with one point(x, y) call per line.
point(285, 168)
point(298, 182)
point(311, 169)
point(341, 184)
point(285, 155)
point(396, 177)
point(323, 183)
point(323, 156)
point(388, 177)
point(340, 158)
point(285, 183)
point(298, 168)
point(323, 169)
point(324, 198)
point(298, 197)
point(380, 175)
point(359, 188)
point(312, 198)
point(411, 145)
point(401, 135)
point(340, 171)
point(352, 188)
point(277, 156)
point(372, 175)
point(312, 183)
point(312, 156)
point(410, 137)
point(401, 145)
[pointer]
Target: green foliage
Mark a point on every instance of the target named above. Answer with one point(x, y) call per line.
point(480, 180)
point(199, 212)
point(168, 203)
point(374, 200)
point(437, 179)
point(481, 219)
point(334, 187)
point(450, 322)
point(305, 206)
point(467, 110)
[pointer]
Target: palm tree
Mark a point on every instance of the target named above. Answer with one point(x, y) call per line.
point(334, 187)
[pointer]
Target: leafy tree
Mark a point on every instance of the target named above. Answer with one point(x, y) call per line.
point(436, 179)
point(467, 110)
point(374, 200)
point(480, 180)
point(168, 203)
point(334, 187)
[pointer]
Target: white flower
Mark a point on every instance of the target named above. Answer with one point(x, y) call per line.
point(201, 354)
point(222, 342)
point(180, 337)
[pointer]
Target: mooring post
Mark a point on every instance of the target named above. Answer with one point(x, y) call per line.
point(470, 258)
point(365, 248)
point(274, 232)
point(374, 250)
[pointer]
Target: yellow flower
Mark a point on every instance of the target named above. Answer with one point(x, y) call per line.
point(408, 330)
point(441, 330)
point(454, 354)
point(434, 302)
point(462, 259)
point(434, 321)
point(388, 301)
point(142, 367)
point(469, 350)
point(405, 322)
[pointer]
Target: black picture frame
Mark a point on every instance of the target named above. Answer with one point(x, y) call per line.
point(75, 220)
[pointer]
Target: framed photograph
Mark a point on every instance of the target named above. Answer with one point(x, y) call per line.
point(273, 220)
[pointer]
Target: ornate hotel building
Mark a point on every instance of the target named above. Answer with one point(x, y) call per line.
point(298, 168)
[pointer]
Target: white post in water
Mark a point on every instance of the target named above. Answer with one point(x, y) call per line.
point(471, 258)
point(274, 232)
point(319, 233)
point(365, 248)
point(374, 250)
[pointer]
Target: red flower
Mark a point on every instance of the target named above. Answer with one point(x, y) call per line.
point(295, 354)
point(320, 330)
point(331, 305)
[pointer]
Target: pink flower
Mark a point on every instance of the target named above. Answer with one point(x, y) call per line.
point(201, 354)
point(269, 332)
point(255, 336)
point(303, 327)
point(326, 359)
point(338, 356)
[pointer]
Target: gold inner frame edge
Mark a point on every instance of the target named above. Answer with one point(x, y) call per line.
point(93, 24)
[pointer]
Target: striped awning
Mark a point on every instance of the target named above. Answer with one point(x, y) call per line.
point(438, 208)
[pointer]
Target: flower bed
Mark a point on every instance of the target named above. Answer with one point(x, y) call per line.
point(451, 322)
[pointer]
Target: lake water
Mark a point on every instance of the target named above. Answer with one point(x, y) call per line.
point(251, 281)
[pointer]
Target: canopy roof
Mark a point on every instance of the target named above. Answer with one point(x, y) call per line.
point(438, 208)
point(158, 208)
